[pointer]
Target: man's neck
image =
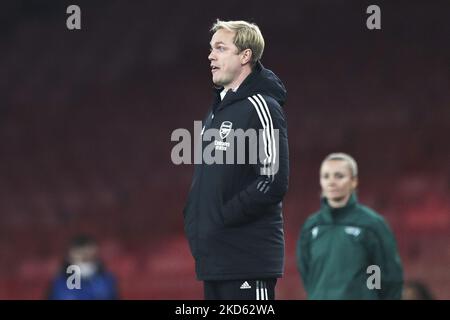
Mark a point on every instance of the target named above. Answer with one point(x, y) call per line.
point(237, 82)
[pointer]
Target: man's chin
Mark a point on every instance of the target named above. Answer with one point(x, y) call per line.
point(217, 83)
point(220, 82)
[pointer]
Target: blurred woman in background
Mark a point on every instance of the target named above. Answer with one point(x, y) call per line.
point(347, 250)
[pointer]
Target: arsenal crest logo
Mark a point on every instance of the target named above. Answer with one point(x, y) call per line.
point(225, 129)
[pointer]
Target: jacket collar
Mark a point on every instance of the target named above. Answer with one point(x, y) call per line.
point(231, 95)
point(331, 214)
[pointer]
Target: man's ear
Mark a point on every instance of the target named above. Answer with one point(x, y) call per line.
point(246, 56)
point(355, 182)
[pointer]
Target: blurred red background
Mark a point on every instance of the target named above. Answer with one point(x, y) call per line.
point(86, 119)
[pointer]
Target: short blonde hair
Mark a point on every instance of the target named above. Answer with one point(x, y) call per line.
point(247, 36)
point(344, 157)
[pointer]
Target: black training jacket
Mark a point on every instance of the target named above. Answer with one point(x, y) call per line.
point(233, 215)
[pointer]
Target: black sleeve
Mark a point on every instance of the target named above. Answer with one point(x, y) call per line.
point(272, 175)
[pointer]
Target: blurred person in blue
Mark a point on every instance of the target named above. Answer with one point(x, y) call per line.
point(96, 283)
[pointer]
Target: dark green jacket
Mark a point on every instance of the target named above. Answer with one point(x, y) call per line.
point(336, 247)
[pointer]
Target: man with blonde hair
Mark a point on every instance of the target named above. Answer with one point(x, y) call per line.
point(233, 216)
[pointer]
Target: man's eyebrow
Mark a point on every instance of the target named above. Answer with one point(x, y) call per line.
point(217, 43)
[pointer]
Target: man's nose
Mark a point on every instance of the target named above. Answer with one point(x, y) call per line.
point(211, 56)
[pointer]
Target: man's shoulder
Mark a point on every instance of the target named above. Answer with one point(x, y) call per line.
point(266, 107)
point(263, 100)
